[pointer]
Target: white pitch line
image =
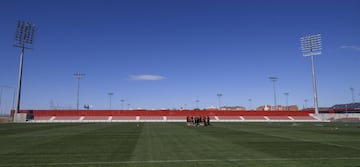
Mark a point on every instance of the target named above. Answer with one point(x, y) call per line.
point(186, 161)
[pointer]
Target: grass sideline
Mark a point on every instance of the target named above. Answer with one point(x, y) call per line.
point(174, 144)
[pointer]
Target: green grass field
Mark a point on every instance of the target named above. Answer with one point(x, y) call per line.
point(174, 144)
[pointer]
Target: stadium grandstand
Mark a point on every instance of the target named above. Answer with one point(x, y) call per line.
point(346, 108)
point(164, 116)
point(338, 112)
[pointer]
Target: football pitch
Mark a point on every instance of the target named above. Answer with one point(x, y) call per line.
point(175, 144)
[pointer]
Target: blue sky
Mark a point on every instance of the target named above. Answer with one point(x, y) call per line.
point(165, 54)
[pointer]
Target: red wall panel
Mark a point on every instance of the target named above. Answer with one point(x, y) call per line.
point(164, 113)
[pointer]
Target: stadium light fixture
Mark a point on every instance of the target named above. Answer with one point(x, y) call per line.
point(306, 105)
point(219, 96)
point(1, 91)
point(185, 106)
point(249, 100)
point(287, 100)
point(110, 94)
point(24, 38)
point(78, 76)
point(197, 103)
point(352, 94)
point(274, 79)
point(122, 103)
point(310, 47)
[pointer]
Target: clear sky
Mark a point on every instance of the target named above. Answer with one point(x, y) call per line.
point(169, 53)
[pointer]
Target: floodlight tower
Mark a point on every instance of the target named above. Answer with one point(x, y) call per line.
point(197, 104)
point(311, 46)
point(122, 103)
point(24, 38)
point(1, 91)
point(110, 94)
point(274, 79)
point(306, 100)
point(287, 100)
point(78, 76)
point(352, 94)
point(249, 103)
point(185, 106)
point(219, 96)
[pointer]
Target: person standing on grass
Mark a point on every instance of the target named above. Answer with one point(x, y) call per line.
point(205, 120)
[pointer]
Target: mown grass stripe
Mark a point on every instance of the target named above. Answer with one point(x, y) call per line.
point(186, 161)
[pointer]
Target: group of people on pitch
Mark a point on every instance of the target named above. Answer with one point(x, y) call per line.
point(197, 120)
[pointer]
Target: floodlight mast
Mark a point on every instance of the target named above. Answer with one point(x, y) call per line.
point(122, 103)
point(287, 100)
point(110, 94)
point(311, 46)
point(274, 79)
point(197, 103)
point(24, 38)
point(352, 94)
point(78, 76)
point(249, 103)
point(219, 96)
